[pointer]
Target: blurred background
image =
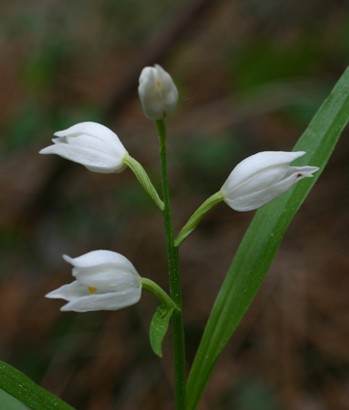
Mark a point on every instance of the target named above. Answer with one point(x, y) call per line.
point(251, 74)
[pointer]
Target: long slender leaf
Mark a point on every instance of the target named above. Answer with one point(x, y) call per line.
point(9, 402)
point(262, 239)
point(25, 390)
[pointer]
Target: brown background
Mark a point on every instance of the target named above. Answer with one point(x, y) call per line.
point(250, 74)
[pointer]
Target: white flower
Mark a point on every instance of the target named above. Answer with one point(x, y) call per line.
point(262, 177)
point(157, 92)
point(90, 144)
point(105, 280)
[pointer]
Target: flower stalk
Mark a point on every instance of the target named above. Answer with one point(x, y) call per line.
point(194, 220)
point(164, 299)
point(175, 283)
point(143, 179)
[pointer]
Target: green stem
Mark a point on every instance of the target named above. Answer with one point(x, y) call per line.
point(194, 220)
point(143, 179)
point(175, 284)
point(157, 290)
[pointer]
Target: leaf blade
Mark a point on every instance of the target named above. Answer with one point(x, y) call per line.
point(263, 237)
point(20, 386)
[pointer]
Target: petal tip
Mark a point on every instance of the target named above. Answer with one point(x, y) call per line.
point(45, 150)
point(68, 259)
point(52, 295)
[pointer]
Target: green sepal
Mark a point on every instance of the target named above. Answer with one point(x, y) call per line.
point(158, 327)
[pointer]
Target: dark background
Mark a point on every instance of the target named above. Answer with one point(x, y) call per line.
point(251, 74)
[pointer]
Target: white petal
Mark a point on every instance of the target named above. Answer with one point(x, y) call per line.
point(90, 128)
point(85, 140)
point(306, 171)
point(104, 270)
point(166, 82)
point(168, 89)
point(150, 94)
point(108, 280)
point(102, 162)
point(106, 301)
point(99, 257)
point(257, 181)
point(115, 150)
point(148, 76)
point(68, 292)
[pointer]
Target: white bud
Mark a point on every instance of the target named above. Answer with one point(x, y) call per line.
point(157, 92)
point(90, 144)
point(262, 177)
point(105, 280)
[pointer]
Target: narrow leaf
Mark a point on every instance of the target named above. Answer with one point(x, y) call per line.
point(25, 390)
point(262, 239)
point(9, 402)
point(158, 328)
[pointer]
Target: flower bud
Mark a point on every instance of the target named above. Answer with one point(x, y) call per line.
point(90, 144)
point(157, 92)
point(262, 177)
point(105, 280)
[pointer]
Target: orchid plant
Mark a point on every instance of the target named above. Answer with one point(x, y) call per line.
point(106, 280)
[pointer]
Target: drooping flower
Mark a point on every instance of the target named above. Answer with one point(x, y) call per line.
point(90, 144)
point(157, 92)
point(104, 280)
point(262, 177)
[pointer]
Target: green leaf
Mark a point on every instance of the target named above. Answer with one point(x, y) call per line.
point(158, 328)
point(20, 386)
point(262, 239)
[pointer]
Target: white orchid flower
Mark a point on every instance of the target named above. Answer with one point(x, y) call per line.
point(105, 280)
point(90, 144)
point(157, 92)
point(262, 177)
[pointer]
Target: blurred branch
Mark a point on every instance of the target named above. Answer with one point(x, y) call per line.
point(158, 48)
point(155, 50)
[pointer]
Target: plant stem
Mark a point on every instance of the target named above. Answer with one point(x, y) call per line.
point(157, 290)
point(175, 284)
point(194, 220)
point(143, 179)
